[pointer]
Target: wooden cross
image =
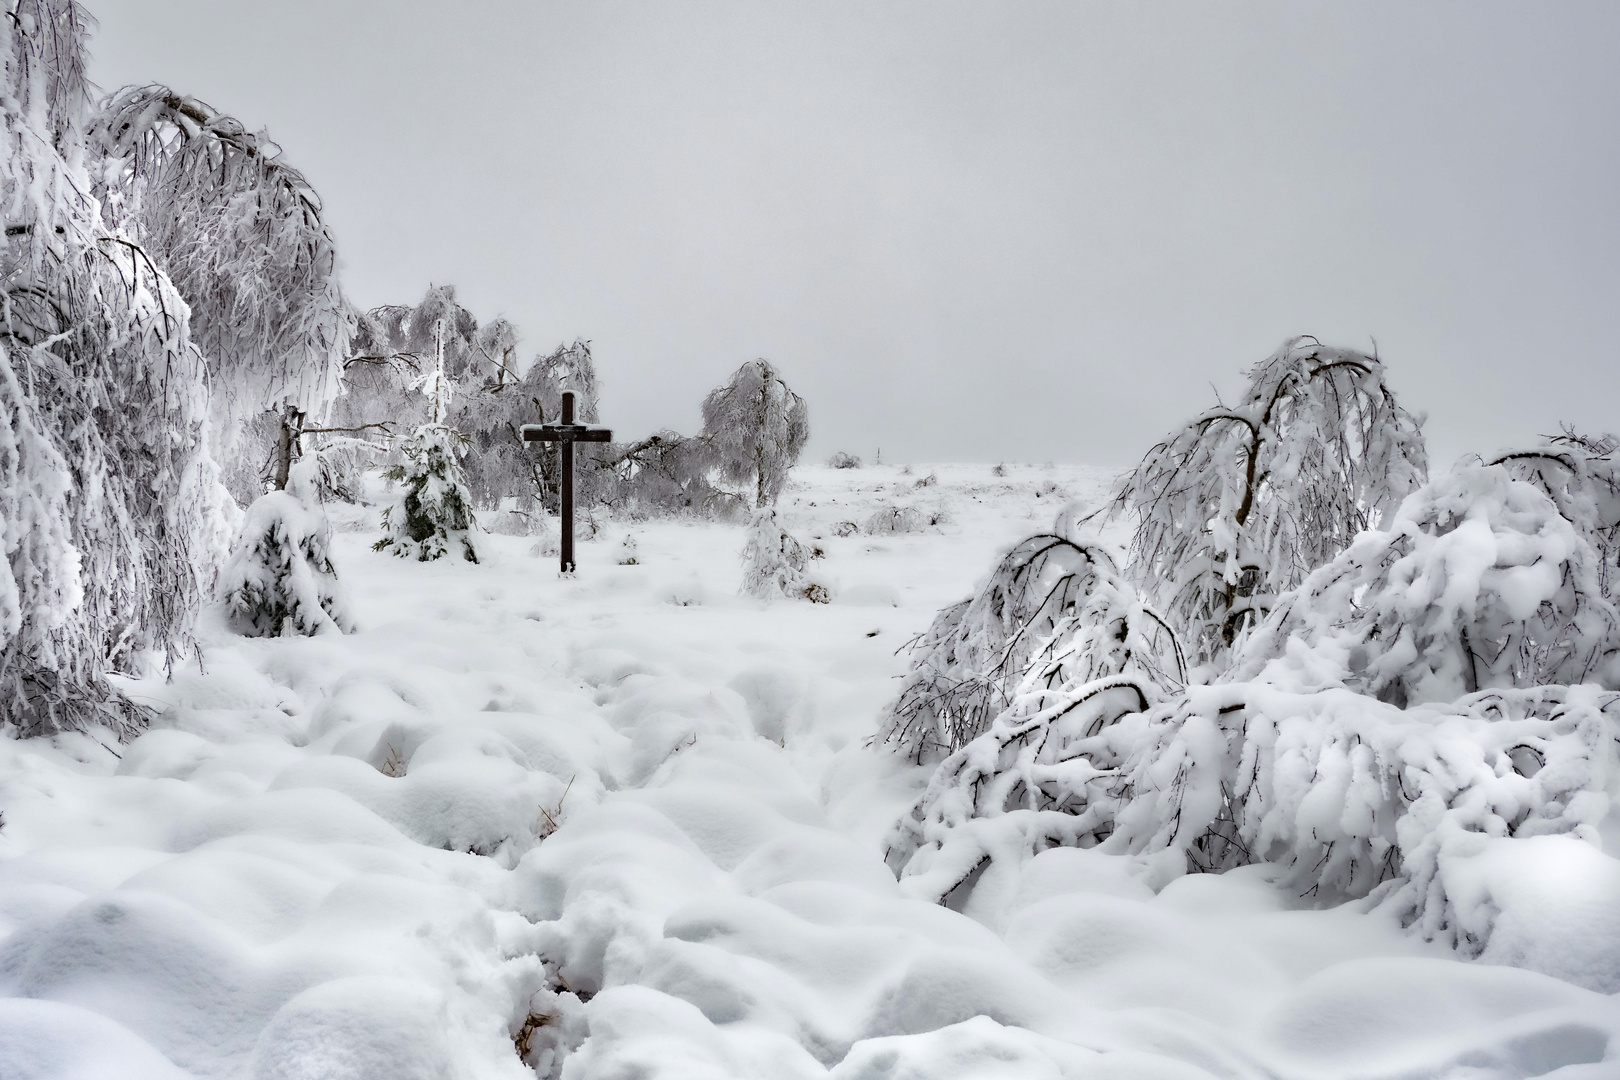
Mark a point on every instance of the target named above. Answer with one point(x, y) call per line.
point(568, 433)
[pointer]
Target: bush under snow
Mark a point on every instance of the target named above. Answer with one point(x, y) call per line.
point(774, 562)
point(1052, 605)
point(279, 580)
point(894, 521)
point(1442, 686)
point(1478, 582)
point(433, 516)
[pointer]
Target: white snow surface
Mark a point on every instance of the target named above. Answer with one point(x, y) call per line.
point(632, 821)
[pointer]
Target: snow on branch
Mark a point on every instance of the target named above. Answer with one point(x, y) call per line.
point(1477, 582)
point(1581, 475)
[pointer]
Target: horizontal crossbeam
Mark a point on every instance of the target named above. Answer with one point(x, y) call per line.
point(565, 433)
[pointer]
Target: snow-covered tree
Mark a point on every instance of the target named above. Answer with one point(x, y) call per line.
point(433, 515)
point(755, 427)
point(1445, 683)
point(494, 395)
point(665, 474)
point(111, 511)
point(1055, 609)
point(392, 348)
point(1238, 505)
point(240, 232)
point(538, 398)
point(279, 580)
point(490, 411)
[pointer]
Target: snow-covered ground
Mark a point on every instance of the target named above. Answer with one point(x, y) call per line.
point(630, 823)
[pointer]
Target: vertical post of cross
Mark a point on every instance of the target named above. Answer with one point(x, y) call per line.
point(567, 544)
point(567, 432)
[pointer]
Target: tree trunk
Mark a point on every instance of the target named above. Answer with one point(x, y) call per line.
point(287, 450)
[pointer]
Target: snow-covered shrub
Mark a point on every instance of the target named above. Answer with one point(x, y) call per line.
point(280, 579)
point(1238, 505)
point(774, 562)
point(755, 427)
point(433, 515)
point(894, 521)
point(1477, 582)
point(1415, 699)
point(1351, 796)
point(627, 550)
point(1054, 610)
point(1046, 773)
point(842, 460)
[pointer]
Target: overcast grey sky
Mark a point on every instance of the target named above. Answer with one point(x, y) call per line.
point(989, 231)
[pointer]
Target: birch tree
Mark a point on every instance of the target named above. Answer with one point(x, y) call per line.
point(755, 428)
point(1239, 504)
point(241, 234)
point(111, 511)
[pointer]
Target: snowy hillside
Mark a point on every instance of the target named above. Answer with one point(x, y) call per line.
point(629, 825)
